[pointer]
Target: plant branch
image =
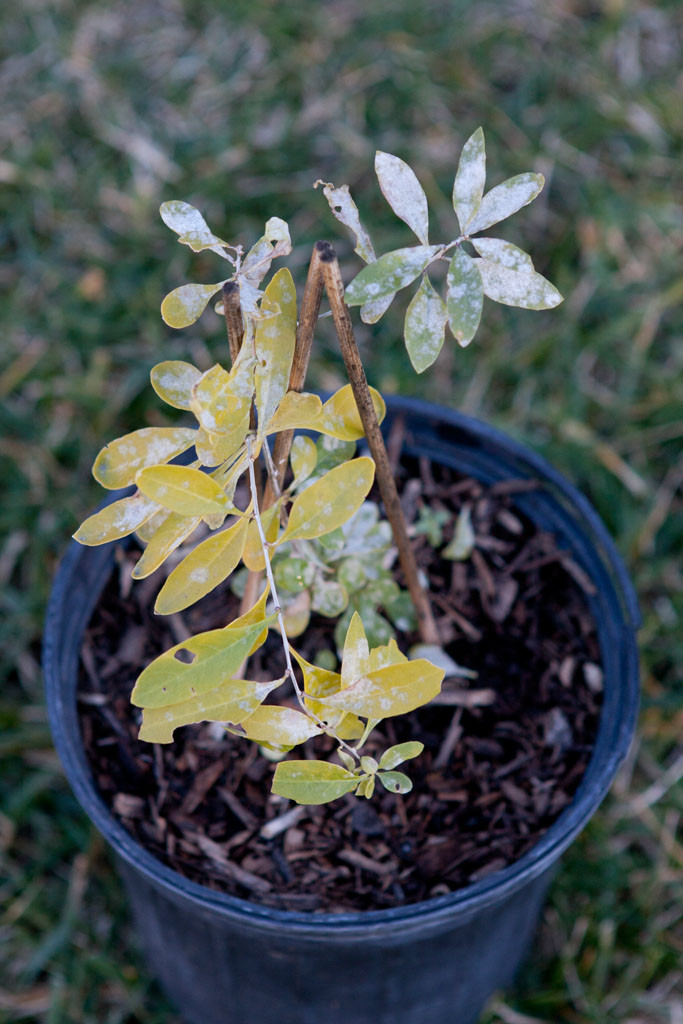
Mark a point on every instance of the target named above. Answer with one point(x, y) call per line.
point(385, 479)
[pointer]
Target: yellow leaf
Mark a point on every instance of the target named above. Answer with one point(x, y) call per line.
point(173, 381)
point(323, 682)
point(257, 613)
point(274, 345)
point(388, 654)
point(356, 653)
point(217, 409)
point(215, 449)
point(116, 520)
point(281, 727)
point(339, 417)
point(390, 691)
point(253, 552)
point(296, 411)
point(312, 782)
point(120, 460)
point(184, 305)
point(174, 529)
point(186, 491)
point(202, 569)
point(195, 666)
point(150, 526)
point(230, 701)
point(304, 458)
point(330, 501)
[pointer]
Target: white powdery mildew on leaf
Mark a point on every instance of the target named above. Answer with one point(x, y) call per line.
point(184, 305)
point(468, 186)
point(373, 311)
point(173, 381)
point(526, 289)
point(346, 212)
point(189, 224)
point(425, 326)
point(389, 274)
point(464, 298)
point(505, 253)
point(403, 192)
point(505, 199)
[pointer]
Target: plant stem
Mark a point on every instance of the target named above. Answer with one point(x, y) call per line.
point(289, 672)
point(385, 479)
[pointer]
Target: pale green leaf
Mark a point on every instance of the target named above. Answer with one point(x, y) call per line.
point(197, 665)
point(191, 227)
point(182, 489)
point(274, 344)
point(118, 462)
point(517, 288)
point(340, 417)
point(173, 381)
point(366, 787)
point(464, 297)
point(304, 457)
point(390, 691)
point(330, 501)
point(279, 726)
point(505, 199)
point(231, 701)
point(464, 538)
point(403, 192)
point(117, 520)
point(346, 212)
point(312, 782)
point(468, 187)
point(425, 326)
point(499, 251)
point(170, 534)
point(395, 782)
point(184, 305)
point(389, 274)
point(369, 765)
point(329, 598)
point(396, 755)
point(202, 569)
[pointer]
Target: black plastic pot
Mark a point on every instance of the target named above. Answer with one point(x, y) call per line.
point(224, 960)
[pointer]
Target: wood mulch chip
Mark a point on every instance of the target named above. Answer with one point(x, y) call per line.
point(504, 753)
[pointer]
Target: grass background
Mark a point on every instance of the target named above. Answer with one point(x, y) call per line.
point(110, 108)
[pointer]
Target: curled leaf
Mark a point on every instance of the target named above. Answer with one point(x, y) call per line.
point(464, 297)
point(296, 411)
point(403, 192)
point(279, 726)
point(346, 212)
point(505, 199)
point(340, 417)
point(425, 326)
point(390, 691)
point(303, 456)
point(170, 534)
point(274, 346)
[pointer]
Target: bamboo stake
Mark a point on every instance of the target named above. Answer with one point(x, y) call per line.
point(233, 317)
point(385, 479)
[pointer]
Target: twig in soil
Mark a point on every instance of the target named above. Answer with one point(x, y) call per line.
point(450, 741)
point(284, 821)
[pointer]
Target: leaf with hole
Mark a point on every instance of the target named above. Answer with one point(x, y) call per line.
point(395, 782)
point(345, 210)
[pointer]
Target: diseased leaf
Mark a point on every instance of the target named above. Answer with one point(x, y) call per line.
point(388, 654)
point(346, 212)
point(464, 297)
point(184, 305)
point(202, 569)
point(216, 449)
point(230, 701)
point(274, 344)
point(296, 613)
point(356, 653)
point(403, 192)
point(257, 613)
point(505, 253)
point(322, 682)
point(394, 756)
point(274, 242)
point(369, 765)
point(505, 199)
point(340, 417)
point(329, 598)
point(373, 311)
point(211, 658)
point(425, 326)
point(119, 461)
point(182, 489)
point(171, 533)
point(330, 501)
point(464, 538)
point(304, 457)
point(390, 691)
point(517, 288)
point(389, 274)
point(173, 381)
point(468, 187)
point(312, 782)
point(253, 552)
point(217, 408)
point(395, 782)
point(279, 726)
point(117, 520)
point(297, 411)
point(189, 224)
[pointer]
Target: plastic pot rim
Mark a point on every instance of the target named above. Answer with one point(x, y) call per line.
point(614, 735)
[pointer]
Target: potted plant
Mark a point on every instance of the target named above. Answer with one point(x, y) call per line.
point(305, 651)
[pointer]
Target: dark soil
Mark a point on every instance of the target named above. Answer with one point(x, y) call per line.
point(503, 755)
